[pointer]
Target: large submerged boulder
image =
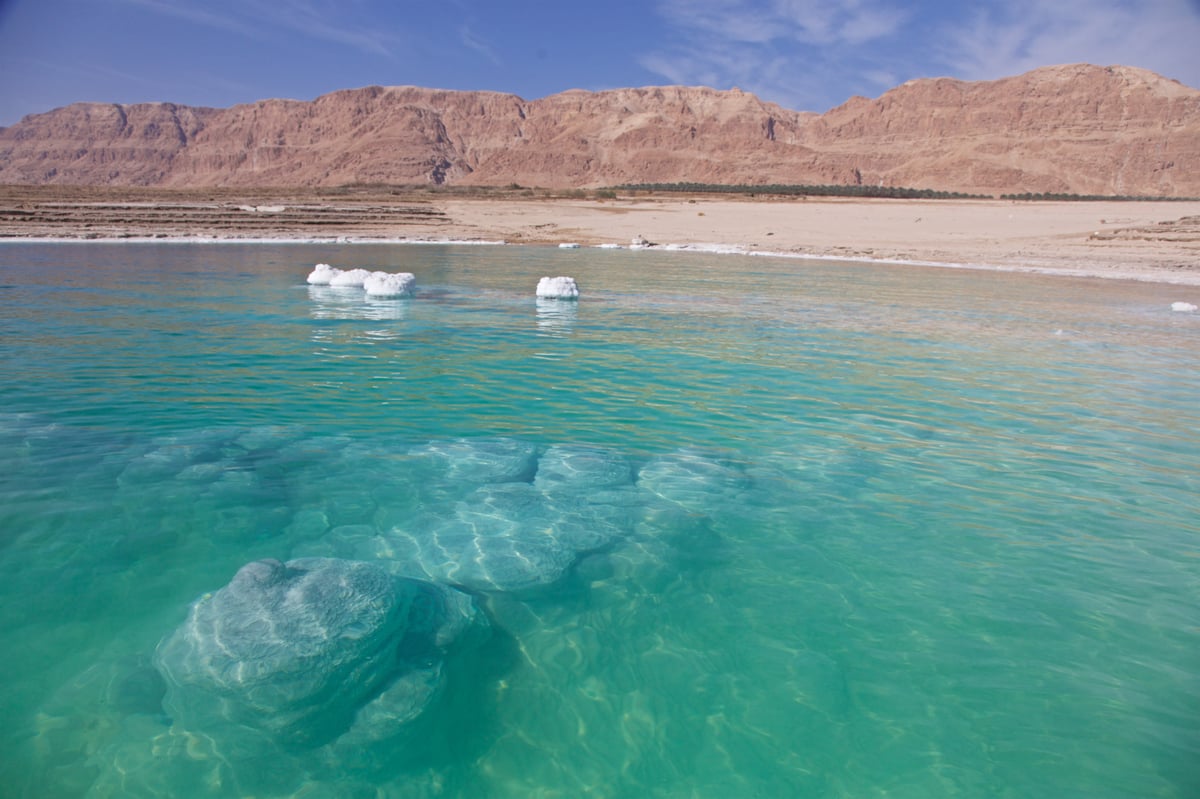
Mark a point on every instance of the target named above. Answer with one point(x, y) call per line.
point(312, 649)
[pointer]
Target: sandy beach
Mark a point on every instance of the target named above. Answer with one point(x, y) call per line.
point(1158, 241)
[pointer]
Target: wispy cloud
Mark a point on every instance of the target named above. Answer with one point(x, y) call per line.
point(814, 53)
point(196, 14)
point(326, 21)
point(815, 22)
point(321, 20)
point(1023, 34)
point(784, 50)
point(474, 42)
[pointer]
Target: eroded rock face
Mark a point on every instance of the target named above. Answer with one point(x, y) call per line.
point(306, 650)
point(1077, 128)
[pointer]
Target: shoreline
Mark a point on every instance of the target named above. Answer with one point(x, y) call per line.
point(1125, 240)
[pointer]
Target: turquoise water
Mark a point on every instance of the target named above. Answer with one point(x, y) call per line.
point(848, 530)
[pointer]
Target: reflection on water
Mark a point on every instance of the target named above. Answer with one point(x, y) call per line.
point(760, 529)
point(556, 318)
point(352, 303)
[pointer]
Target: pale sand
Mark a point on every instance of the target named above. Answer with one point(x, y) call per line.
point(1131, 240)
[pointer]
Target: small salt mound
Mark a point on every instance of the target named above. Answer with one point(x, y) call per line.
point(322, 274)
point(353, 278)
point(558, 288)
point(1182, 306)
point(383, 284)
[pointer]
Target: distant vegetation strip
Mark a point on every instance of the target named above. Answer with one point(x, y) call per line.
point(887, 192)
point(1096, 197)
point(894, 192)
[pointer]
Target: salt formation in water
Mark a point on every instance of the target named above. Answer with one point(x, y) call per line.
point(525, 524)
point(693, 480)
point(308, 650)
point(558, 288)
point(494, 516)
point(480, 460)
point(322, 274)
point(350, 278)
point(581, 469)
point(1183, 306)
point(384, 284)
point(376, 284)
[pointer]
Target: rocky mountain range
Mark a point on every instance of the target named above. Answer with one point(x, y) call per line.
point(1078, 129)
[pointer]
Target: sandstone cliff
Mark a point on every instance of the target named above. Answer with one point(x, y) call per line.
point(1078, 128)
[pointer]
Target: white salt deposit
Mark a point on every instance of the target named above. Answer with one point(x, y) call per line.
point(322, 274)
point(383, 284)
point(1182, 306)
point(353, 278)
point(558, 288)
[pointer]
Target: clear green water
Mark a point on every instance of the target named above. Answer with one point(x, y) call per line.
point(952, 547)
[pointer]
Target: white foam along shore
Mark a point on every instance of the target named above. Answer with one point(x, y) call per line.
point(1141, 275)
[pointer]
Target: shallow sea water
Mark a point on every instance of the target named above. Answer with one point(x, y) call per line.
point(841, 530)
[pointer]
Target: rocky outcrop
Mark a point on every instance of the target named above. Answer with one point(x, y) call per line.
point(1078, 129)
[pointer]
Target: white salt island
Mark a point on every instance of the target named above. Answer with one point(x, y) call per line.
point(558, 288)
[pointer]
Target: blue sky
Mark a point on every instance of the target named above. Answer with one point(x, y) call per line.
point(803, 54)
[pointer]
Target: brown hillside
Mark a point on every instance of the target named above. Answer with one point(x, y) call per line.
point(1079, 129)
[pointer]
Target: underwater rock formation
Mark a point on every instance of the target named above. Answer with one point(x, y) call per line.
point(308, 650)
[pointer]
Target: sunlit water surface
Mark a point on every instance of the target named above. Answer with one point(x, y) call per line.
point(873, 531)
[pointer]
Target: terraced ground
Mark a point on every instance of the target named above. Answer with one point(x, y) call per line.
point(92, 213)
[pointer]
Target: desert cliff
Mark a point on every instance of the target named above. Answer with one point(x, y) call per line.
point(1074, 129)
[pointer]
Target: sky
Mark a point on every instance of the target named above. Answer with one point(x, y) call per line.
point(806, 55)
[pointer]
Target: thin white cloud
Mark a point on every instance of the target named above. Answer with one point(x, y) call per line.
point(196, 14)
point(789, 51)
point(323, 21)
point(813, 22)
point(1009, 39)
point(813, 53)
point(79, 70)
point(474, 42)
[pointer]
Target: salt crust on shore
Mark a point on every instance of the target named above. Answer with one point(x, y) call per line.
point(1145, 241)
point(1132, 272)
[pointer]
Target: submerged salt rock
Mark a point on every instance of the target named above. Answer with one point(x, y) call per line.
point(1186, 307)
point(296, 650)
point(322, 274)
point(472, 461)
point(694, 481)
point(353, 278)
point(501, 537)
point(383, 284)
point(558, 288)
point(581, 468)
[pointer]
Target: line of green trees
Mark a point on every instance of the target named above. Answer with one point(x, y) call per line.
point(892, 192)
point(1093, 197)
